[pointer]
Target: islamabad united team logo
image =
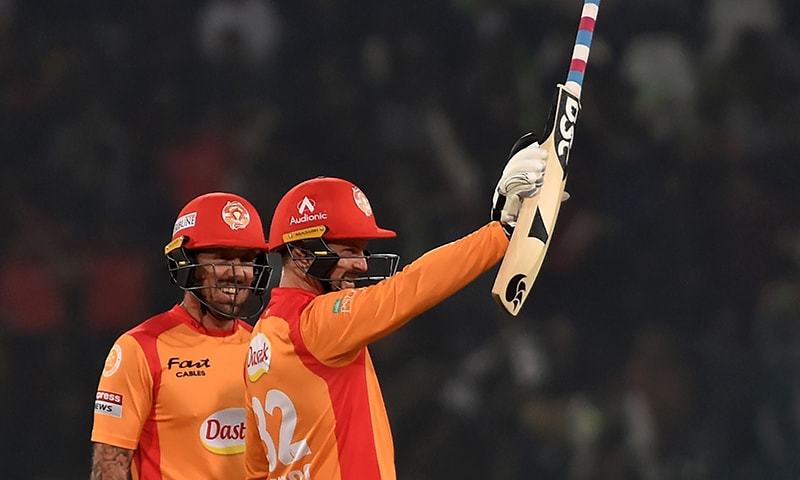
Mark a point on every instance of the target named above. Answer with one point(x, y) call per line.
point(235, 215)
point(113, 361)
point(361, 201)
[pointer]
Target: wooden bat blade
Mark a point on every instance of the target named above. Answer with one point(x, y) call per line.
point(538, 214)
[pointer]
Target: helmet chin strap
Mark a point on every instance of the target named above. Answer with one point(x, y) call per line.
point(322, 261)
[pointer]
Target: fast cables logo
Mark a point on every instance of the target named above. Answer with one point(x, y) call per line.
point(189, 367)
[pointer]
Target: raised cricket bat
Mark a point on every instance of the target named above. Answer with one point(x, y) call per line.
point(537, 216)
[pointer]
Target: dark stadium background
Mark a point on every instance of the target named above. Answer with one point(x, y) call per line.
point(662, 340)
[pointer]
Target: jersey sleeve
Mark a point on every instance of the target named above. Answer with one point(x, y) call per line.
point(256, 466)
point(335, 326)
point(124, 396)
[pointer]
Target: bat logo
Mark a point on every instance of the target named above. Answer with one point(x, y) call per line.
point(515, 290)
point(538, 229)
point(568, 109)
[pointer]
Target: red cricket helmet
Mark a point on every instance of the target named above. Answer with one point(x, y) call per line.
point(218, 220)
point(324, 207)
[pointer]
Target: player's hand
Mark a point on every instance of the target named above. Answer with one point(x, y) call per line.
point(523, 177)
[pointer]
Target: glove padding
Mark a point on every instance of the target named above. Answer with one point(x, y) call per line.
point(522, 178)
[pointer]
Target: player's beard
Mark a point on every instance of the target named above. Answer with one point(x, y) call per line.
point(346, 281)
point(228, 299)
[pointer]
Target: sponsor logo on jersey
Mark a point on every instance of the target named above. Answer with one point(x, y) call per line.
point(259, 356)
point(235, 215)
point(223, 431)
point(184, 222)
point(108, 403)
point(361, 201)
point(343, 304)
point(113, 360)
point(306, 210)
point(188, 367)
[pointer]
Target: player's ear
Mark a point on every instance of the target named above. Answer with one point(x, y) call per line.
point(181, 264)
point(298, 256)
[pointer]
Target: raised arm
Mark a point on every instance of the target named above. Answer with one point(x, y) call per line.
point(337, 325)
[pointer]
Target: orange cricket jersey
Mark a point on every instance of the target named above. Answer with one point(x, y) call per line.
point(314, 409)
point(173, 392)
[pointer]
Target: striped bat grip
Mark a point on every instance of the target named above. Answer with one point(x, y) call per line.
point(583, 42)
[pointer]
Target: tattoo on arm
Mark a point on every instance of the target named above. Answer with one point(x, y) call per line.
point(111, 463)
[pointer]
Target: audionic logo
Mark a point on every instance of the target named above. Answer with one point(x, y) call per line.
point(223, 431)
point(306, 205)
point(306, 209)
point(259, 357)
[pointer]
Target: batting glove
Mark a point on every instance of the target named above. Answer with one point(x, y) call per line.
point(522, 178)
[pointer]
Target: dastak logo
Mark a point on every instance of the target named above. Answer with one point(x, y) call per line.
point(223, 431)
point(259, 356)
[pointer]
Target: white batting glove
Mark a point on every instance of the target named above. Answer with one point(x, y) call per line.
point(522, 177)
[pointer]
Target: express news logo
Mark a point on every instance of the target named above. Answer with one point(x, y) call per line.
point(108, 403)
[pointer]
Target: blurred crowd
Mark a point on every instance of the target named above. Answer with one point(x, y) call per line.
point(662, 339)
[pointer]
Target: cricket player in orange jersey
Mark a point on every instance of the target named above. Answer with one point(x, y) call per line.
point(170, 403)
point(315, 409)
